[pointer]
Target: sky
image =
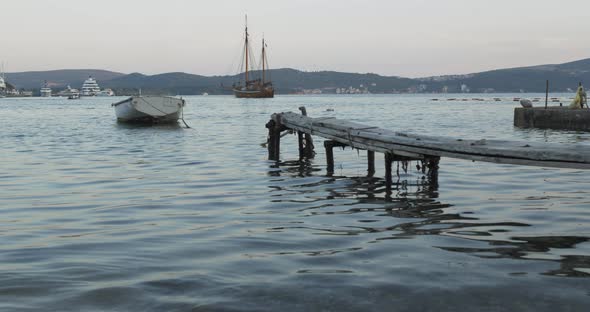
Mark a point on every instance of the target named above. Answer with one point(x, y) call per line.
point(414, 38)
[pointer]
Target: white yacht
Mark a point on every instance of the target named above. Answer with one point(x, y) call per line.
point(90, 87)
point(2, 82)
point(2, 86)
point(46, 90)
point(106, 92)
point(70, 93)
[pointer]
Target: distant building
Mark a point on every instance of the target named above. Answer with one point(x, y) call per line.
point(352, 90)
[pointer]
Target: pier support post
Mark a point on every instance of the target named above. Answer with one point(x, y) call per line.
point(329, 145)
point(329, 157)
point(432, 164)
point(300, 140)
point(274, 127)
point(388, 173)
point(370, 163)
point(306, 148)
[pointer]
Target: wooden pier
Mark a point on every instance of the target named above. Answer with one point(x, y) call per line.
point(404, 147)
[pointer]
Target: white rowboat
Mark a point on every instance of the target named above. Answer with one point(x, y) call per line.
point(149, 108)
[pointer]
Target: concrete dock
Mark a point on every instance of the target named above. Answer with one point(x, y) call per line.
point(553, 117)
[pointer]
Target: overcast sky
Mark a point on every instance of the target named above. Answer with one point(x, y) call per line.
point(389, 37)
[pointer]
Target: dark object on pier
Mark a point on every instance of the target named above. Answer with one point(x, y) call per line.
point(552, 117)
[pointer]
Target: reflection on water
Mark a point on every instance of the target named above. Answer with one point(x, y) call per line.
point(148, 125)
point(538, 248)
point(414, 198)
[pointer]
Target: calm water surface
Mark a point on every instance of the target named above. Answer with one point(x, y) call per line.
point(101, 216)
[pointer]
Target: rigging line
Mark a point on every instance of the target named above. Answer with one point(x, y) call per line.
point(267, 66)
point(242, 58)
point(236, 60)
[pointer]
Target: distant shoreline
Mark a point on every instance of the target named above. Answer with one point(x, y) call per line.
point(562, 77)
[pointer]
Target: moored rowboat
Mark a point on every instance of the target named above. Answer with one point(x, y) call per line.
point(149, 108)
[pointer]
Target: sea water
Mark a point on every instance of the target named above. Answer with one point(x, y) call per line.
point(97, 215)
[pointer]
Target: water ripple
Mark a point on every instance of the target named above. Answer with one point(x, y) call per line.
point(96, 215)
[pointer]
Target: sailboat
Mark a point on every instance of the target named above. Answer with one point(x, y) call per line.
point(253, 87)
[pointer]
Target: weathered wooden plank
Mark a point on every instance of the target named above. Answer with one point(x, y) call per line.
point(417, 146)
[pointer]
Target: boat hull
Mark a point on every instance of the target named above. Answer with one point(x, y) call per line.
point(156, 109)
point(264, 93)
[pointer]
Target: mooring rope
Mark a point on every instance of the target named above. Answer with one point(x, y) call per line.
point(182, 114)
point(164, 113)
point(150, 104)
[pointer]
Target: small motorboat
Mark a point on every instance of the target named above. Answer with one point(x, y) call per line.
point(156, 109)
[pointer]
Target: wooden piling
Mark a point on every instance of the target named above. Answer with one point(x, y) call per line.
point(300, 140)
point(274, 141)
point(306, 148)
point(388, 171)
point(329, 145)
point(275, 127)
point(432, 163)
point(370, 163)
point(329, 157)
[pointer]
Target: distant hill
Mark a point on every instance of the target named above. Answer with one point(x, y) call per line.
point(169, 83)
point(285, 80)
point(58, 78)
point(525, 79)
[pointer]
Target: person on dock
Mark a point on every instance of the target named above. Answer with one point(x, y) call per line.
point(580, 99)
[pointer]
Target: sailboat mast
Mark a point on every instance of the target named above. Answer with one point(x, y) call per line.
point(246, 47)
point(263, 61)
